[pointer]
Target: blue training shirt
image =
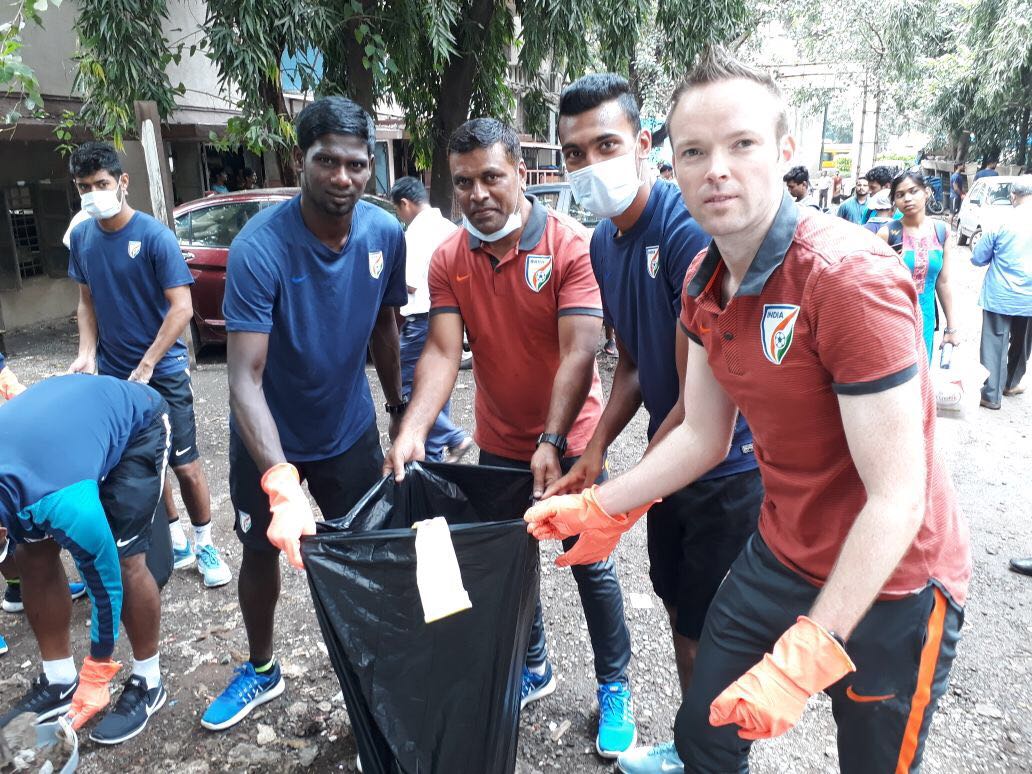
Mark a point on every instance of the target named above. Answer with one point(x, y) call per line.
point(58, 441)
point(318, 307)
point(128, 272)
point(641, 275)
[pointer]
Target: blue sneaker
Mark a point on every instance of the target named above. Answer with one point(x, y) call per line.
point(245, 691)
point(182, 557)
point(617, 731)
point(536, 687)
point(13, 597)
point(657, 759)
point(3, 645)
point(77, 590)
point(210, 565)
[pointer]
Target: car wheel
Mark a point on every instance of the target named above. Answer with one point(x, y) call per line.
point(962, 238)
point(975, 237)
point(466, 361)
point(195, 334)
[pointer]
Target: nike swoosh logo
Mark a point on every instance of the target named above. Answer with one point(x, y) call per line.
point(181, 452)
point(461, 277)
point(299, 280)
point(124, 543)
point(69, 692)
point(704, 329)
point(859, 699)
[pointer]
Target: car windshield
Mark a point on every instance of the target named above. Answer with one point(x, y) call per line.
point(1000, 195)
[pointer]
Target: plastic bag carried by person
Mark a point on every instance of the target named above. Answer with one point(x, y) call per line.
point(442, 696)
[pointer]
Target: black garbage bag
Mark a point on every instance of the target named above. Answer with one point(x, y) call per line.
point(443, 697)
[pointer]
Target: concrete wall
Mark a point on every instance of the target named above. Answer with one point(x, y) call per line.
point(48, 51)
point(40, 299)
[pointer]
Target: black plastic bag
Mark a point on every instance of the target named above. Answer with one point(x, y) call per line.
point(444, 697)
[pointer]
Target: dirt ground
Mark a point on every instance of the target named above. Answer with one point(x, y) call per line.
point(984, 723)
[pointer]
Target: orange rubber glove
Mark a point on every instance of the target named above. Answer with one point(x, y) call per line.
point(9, 384)
point(93, 693)
point(563, 516)
point(770, 698)
point(291, 514)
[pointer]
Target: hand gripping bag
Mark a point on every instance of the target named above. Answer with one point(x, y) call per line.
point(440, 697)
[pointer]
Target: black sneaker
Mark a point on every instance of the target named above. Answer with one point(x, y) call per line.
point(131, 712)
point(44, 700)
point(12, 599)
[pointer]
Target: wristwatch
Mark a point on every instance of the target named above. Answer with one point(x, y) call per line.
point(558, 441)
point(396, 408)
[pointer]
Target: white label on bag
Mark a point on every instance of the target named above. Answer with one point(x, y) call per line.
point(437, 571)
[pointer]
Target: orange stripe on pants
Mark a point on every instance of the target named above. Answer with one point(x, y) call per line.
point(925, 679)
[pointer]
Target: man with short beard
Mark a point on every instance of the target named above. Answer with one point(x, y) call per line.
point(311, 283)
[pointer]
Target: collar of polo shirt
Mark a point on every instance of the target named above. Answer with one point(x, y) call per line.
point(769, 257)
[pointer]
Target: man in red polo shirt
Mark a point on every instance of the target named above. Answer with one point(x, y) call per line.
point(519, 278)
point(855, 580)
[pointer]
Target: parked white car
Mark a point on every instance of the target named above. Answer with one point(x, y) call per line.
point(985, 207)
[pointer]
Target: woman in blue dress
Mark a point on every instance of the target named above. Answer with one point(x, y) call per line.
point(924, 245)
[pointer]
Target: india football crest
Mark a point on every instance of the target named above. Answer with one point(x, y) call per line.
point(134, 248)
point(652, 260)
point(375, 263)
point(776, 328)
point(537, 271)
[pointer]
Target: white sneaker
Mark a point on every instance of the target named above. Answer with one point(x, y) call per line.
point(211, 566)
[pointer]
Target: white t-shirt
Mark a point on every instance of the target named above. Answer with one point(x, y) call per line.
point(77, 218)
point(424, 235)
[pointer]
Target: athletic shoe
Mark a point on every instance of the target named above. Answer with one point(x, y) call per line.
point(1017, 390)
point(43, 700)
point(617, 731)
point(13, 597)
point(131, 712)
point(210, 565)
point(536, 687)
point(245, 691)
point(455, 454)
point(182, 557)
point(657, 759)
point(3, 645)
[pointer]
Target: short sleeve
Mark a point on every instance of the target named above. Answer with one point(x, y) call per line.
point(251, 289)
point(682, 244)
point(169, 265)
point(594, 250)
point(396, 293)
point(75, 268)
point(578, 291)
point(867, 327)
point(442, 295)
point(686, 317)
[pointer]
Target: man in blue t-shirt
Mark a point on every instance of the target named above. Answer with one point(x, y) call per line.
point(989, 170)
point(854, 209)
point(134, 304)
point(640, 254)
point(97, 499)
point(958, 188)
point(310, 285)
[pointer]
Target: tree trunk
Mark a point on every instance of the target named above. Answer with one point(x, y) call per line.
point(272, 95)
point(1023, 138)
point(963, 147)
point(453, 101)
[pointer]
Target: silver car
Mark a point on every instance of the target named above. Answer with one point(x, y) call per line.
point(984, 208)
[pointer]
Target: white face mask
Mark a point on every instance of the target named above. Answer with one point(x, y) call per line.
point(102, 205)
point(511, 224)
point(607, 188)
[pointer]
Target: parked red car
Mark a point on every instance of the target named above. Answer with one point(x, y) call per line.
point(205, 228)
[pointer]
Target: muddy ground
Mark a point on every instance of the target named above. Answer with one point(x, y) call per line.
point(984, 723)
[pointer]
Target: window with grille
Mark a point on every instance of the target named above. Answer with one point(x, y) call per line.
point(25, 230)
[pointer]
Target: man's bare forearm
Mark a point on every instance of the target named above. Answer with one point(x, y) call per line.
point(623, 403)
point(570, 389)
point(86, 321)
point(434, 379)
point(874, 547)
point(386, 351)
point(172, 327)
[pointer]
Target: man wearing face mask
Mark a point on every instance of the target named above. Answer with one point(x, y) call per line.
point(134, 304)
point(640, 255)
point(519, 278)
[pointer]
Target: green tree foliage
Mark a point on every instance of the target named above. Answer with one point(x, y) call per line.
point(16, 77)
point(123, 56)
point(245, 40)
